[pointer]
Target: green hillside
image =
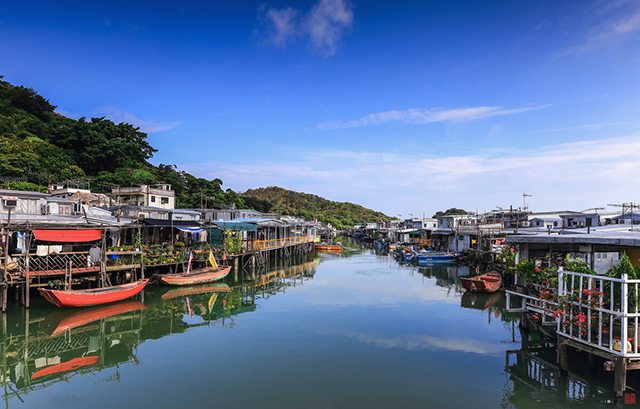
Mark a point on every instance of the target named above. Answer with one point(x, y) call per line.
point(39, 146)
point(339, 214)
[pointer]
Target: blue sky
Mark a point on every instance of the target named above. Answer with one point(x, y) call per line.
point(404, 107)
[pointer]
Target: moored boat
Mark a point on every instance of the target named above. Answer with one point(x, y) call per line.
point(200, 276)
point(329, 247)
point(483, 283)
point(92, 296)
point(426, 257)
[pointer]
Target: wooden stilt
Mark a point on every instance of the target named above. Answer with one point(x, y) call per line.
point(620, 382)
point(562, 357)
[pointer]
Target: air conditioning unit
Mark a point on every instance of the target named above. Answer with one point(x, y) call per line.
point(9, 202)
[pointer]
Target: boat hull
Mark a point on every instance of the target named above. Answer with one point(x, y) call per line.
point(92, 296)
point(484, 283)
point(202, 276)
point(327, 247)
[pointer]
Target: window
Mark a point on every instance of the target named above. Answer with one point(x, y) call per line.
point(164, 200)
point(29, 206)
point(153, 199)
point(64, 209)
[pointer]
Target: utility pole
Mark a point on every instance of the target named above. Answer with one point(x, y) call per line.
point(627, 207)
point(524, 205)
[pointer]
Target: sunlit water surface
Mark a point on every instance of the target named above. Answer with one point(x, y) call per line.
point(357, 330)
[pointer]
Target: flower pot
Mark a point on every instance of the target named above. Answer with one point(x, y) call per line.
point(547, 294)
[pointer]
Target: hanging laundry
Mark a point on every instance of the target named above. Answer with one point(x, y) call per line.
point(94, 254)
point(20, 241)
point(42, 251)
point(55, 249)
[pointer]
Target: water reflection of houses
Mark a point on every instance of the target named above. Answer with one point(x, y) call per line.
point(532, 372)
point(41, 351)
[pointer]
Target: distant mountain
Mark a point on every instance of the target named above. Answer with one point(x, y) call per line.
point(339, 214)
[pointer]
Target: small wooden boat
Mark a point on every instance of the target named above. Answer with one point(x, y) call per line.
point(329, 247)
point(92, 296)
point(200, 276)
point(483, 283)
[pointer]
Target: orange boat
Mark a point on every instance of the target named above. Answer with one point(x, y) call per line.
point(201, 276)
point(329, 247)
point(484, 283)
point(60, 321)
point(92, 296)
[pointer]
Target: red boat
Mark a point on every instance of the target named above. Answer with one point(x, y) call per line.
point(483, 283)
point(92, 296)
point(201, 276)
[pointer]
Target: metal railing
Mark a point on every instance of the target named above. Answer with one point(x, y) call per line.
point(277, 243)
point(599, 311)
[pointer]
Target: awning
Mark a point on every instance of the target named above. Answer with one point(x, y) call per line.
point(190, 229)
point(235, 226)
point(170, 223)
point(68, 236)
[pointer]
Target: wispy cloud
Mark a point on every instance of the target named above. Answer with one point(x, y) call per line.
point(589, 127)
point(324, 25)
point(427, 115)
point(394, 182)
point(619, 21)
point(117, 115)
point(281, 26)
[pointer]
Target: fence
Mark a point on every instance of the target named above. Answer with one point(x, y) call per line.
point(598, 310)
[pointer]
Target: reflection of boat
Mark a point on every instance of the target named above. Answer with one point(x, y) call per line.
point(328, 247)
point(483, 283)
point(201, 276)
point(425, 257)
point(92, 296)
point(479, 301)
point(201, 289)
point(66, 366)
point(60, 321)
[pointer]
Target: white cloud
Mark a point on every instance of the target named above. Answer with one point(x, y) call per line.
point(148, 126)
point(427, 115)
point(324, 25)
point(568, 175)
point(281, 26)
point(327, 21)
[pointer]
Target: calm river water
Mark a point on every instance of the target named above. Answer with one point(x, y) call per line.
point(356, 330)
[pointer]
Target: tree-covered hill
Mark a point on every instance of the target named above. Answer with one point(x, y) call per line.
point(339, 214)
point(40, 146)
